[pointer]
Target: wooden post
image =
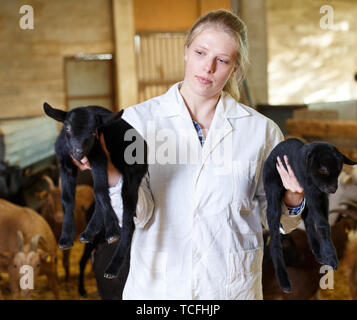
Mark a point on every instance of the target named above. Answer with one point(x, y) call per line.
point(126, 84)
point(254, 14)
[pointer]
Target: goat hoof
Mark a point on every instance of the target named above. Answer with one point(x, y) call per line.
point(109, 275)
point(65, 244)
point(84, 238)
point(83, 293)
point(286, 289)
point(285, 285)
point(332, 263)
point(112, 239)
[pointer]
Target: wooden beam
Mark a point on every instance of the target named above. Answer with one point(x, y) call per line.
point(322, 128)
point(254, 15)
point(126, 84)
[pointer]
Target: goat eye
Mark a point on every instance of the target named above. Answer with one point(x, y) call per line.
point(323, 171)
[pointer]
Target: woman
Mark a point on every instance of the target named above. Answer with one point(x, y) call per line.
point(199, 222)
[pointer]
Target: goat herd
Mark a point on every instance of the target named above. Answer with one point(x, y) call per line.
point(31, 238)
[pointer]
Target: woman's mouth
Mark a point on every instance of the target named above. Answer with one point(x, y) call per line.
point(203, 80)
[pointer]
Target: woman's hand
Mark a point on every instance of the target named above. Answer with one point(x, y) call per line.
point(294, 194)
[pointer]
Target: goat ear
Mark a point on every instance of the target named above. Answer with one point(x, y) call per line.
point(5, 258)
point(347, 160)
point(56, 114)
point(41, 194)
point(105, 120)
point(309, 157)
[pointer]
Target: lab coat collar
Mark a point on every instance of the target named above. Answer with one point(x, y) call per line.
point(172, 105)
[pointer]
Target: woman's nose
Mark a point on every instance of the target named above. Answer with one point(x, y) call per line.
point(210, 66)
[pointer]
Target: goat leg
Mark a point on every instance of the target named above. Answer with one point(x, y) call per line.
point(311, 233)
point(329, 256)
point(68, 189)
point(66, 265)
point(88, 248)
point(130, 199)
point(122, 249)
point(103, 206)
point(93, 227)
point(273, 216)
point(327, 251)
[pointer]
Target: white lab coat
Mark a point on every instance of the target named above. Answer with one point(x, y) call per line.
point(199, 226)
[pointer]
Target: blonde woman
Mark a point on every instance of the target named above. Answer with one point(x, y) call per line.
point(199, 220)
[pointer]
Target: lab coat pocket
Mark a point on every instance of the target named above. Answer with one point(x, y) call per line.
point(244, 177)
point(244, 274)
point(152, 276)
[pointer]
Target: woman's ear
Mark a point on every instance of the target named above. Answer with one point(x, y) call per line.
point(235, 69)
point(186, 52)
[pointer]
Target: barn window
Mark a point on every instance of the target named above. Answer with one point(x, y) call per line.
point(159, 61)
point(89, 80)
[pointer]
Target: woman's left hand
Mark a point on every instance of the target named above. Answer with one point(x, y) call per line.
point(294, 194)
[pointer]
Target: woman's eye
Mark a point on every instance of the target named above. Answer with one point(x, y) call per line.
point(223, 61)
point(199, 52)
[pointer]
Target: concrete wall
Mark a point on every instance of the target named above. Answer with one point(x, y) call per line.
point(307, 63)
point(31, 61)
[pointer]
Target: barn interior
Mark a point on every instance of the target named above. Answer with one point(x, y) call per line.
point(117, 53)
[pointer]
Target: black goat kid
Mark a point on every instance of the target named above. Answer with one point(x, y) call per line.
point(316, 167)
point(79, 138)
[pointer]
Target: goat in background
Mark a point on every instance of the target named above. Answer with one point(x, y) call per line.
point(26, 239)
point(51, 210)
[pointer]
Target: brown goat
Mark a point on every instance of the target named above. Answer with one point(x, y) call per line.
point(19, 225)
point(51, 210)
point(351, 265)
point(303, 269)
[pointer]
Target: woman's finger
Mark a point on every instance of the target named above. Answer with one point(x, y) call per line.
point(290, 170)
point(102, 142)
point(83, 164)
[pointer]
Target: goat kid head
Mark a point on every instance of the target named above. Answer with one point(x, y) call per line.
point(324, 162)
point(27, 255)
point(80, 127)
point(51, 208)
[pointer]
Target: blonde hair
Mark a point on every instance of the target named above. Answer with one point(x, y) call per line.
point(234, 26)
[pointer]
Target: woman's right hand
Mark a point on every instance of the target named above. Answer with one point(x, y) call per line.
point(83, 165)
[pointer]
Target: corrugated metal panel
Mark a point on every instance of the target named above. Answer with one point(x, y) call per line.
point(160, 62)
point(27, 141)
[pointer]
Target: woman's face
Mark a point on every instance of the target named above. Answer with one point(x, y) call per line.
point(210, 61)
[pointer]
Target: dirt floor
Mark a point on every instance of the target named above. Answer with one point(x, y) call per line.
point(42, 292)
point(340, 290)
